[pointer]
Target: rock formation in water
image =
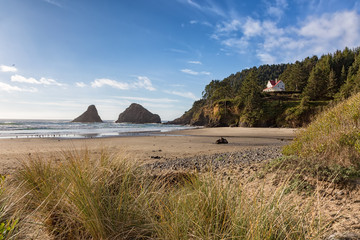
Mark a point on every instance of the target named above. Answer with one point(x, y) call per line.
point(89, 116)
point(136, 113)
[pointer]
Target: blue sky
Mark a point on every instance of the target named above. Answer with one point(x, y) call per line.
point(59, 56)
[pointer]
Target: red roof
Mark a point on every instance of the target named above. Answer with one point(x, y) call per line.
point(273, 83)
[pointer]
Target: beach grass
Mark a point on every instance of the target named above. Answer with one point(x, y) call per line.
point(8, 219)
point(109, 197)
point(330, 145)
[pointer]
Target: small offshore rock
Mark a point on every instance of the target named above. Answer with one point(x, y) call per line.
point(89, 116)
point(136, 113)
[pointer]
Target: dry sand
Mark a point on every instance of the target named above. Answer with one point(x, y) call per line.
point(184, 143)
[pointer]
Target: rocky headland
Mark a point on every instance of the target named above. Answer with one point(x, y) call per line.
point(89, 116)
point(136, 113)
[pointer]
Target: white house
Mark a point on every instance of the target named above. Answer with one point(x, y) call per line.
point(275, 86)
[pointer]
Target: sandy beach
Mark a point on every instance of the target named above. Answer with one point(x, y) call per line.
point(185, 143)
point(190, 149)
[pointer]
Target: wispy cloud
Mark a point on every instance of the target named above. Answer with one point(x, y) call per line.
point(53, 2)
point(192, 72)
point(80, 84)
point(9, 88)
point(276, 9)
point(183, 94)
point(4, 68)
point(153, 100)
point(42, 81)
point(175, 50)
point(195, 62)
point(109, 82)
point(204, 23)
point(142, 82)
point(208, 7)
point(228, 26)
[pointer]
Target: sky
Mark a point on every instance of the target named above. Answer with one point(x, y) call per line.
point(57, 57)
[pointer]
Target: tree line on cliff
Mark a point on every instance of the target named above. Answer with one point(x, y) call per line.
point(311, 85)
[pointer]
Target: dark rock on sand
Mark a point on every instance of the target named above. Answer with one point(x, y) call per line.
point(89, 116)
point(221, 141)
point(136, 113)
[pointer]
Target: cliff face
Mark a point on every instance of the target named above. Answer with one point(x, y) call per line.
point(90, 115)
point(218, 115)
point(136, 113)
point(273, 113)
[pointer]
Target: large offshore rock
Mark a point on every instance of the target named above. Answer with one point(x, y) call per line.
point(136, 113)
point(89, 116)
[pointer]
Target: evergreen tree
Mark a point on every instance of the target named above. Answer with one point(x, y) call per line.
point(342, 76)
point(251, 99)
point(332, 84)
point(352, 83)
point(316, 87)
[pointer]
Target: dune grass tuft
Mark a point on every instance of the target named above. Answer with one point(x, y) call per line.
point(111, 198)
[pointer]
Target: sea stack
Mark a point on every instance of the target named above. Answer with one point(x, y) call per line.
point(89, 116)
point(136, 113)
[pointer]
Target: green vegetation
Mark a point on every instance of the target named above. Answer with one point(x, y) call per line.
point(8, 223)
point(311, 84)
point(330, 146)
point(109, 198)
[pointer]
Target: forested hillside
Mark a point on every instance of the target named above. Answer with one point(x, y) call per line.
point(311, 85)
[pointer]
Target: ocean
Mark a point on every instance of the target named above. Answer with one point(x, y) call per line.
point(10, 128)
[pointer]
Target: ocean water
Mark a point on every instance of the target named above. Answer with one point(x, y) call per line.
point(67, 129)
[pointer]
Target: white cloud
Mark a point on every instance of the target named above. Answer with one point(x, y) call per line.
point(195, 62)
point(183, 94)
point(252, 27)
point(9, 88)
point(142, 82)
point(42, 81)
point(192, 72)
point(108, 82)
point(314, 35)
point(266, 58)
point(339, 28)
point(4, 68)
point(80, 84)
